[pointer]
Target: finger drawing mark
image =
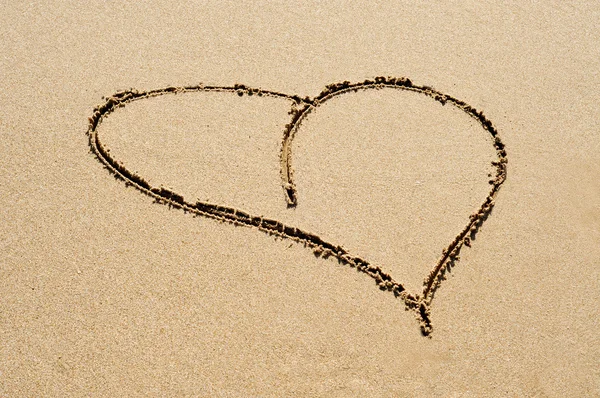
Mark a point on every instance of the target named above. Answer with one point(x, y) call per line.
point(419, 303)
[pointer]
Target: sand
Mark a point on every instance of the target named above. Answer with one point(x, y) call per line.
point(108, 291)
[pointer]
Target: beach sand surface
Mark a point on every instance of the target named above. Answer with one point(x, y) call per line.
point(106, 293)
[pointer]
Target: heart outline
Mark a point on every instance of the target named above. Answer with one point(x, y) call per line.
point(418, 303)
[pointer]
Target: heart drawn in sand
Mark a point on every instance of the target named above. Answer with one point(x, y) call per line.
point(420, 302)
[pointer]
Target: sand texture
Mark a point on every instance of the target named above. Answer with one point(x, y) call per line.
point(307, 199)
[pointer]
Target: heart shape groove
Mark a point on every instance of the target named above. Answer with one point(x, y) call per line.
point(419, 303)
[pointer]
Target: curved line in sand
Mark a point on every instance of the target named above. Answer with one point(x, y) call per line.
point(419, 303)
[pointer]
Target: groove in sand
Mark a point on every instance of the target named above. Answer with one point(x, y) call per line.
point(419, 303)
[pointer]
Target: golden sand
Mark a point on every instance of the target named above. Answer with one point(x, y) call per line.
point(267, 188)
